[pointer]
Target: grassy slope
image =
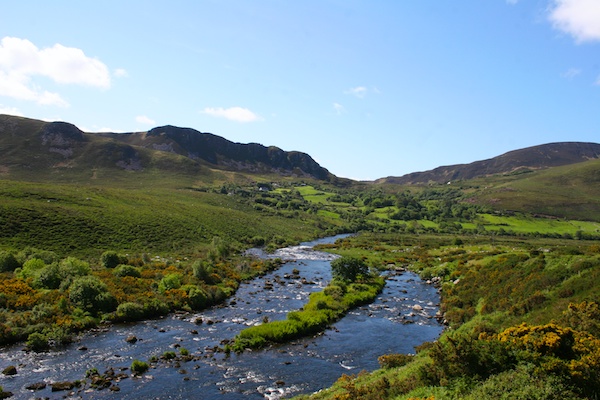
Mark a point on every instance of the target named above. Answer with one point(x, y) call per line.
point(571, 191)
point(86, 220)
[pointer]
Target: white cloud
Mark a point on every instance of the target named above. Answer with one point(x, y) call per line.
point(339, 109)
point(578, 18)
point(237, 114)
point(18, 86)
point(571, 73)
point(21, 61)
point(10, 111)
point(597, 83)
point(120, 73)
point(359, 91)
point(142, 119)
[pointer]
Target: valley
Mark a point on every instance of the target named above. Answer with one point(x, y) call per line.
point(130, 231)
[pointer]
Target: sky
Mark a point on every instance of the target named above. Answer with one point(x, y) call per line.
point(369, 89)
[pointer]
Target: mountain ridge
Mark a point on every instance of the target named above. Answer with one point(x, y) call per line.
point(516, 161)
point(33, 145)
point(62, 144)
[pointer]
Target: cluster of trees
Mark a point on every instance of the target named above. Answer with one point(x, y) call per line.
point(45, 299)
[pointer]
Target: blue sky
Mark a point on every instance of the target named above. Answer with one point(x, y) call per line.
point(368, 88)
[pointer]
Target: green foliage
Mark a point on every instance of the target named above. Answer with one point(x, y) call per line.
point(30, 268)
point(139, 367)
point(394, 360)
point(127, 270)
point(170, 281)
point(110, 259)
point(197, 297)
point(130, 311)
point(91, 294)
point(8, 262)
point(348, 268)
point(37, 341)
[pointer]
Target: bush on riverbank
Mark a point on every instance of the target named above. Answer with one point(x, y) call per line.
point(322, 309)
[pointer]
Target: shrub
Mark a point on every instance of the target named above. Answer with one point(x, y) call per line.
point(49, 277)
point(394, 360)
point(348, 268)
point(202, 270)
point(110, 259)
point(170, 281)
point(8, 262)
point(37, 341)
point(130, 311)
point(127, 270)
point(30, 268)
point(139, 367)
point(91, 294)
point(197, 298)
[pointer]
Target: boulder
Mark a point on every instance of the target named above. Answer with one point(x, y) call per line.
point(10, 370)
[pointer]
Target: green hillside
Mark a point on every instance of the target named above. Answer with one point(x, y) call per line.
point(570, 191)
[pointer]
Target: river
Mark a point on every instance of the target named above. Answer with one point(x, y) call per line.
point(400, 319)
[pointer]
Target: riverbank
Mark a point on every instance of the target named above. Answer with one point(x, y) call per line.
point(302, 366)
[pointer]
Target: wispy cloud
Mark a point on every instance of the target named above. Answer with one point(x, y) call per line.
point(597, 83)
point(21, 61)
point(359, 91)
point(571, 73)
point(120, 73)
point(339, 109)
point(578, 18)
point(142, 119)
point(238, 114)
point(512, 2)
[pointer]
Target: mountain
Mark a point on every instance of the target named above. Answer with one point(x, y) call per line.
point(33, 145)
point(517, 161)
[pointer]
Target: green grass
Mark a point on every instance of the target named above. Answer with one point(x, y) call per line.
point(528, 224)
point(86, 220)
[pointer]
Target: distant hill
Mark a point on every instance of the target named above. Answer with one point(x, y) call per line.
point(517, 161)
point(38, 146)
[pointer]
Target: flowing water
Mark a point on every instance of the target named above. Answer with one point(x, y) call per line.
point(400, 319)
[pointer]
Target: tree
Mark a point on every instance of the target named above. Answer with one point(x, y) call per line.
point(110, 259)
point(8, 262)
point(91, 294)
point(348, 268)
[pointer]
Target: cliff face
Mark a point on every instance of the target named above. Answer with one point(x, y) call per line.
point(222, 152)
point(536, 157)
